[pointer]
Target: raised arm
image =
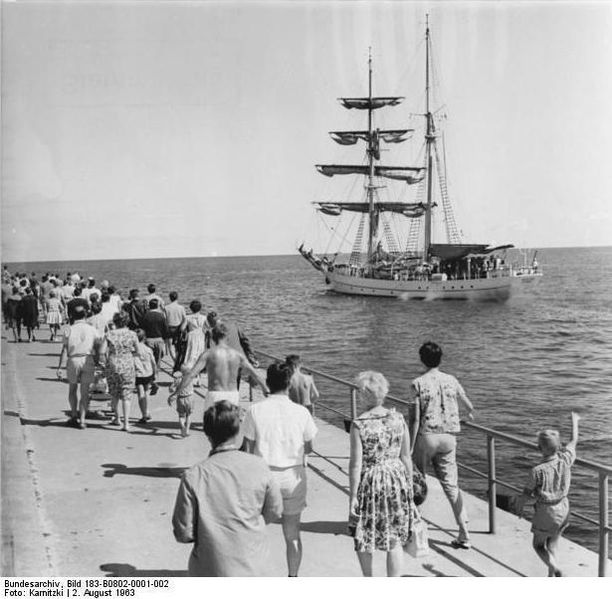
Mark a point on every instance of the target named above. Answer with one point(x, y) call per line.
point(574, 440)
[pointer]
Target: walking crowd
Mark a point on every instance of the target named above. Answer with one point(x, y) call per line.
point(256, 470)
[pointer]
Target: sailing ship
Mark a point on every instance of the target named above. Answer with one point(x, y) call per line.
point(415, 266)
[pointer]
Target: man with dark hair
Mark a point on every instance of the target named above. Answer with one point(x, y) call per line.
point(77, 300)
point(135, 309)
point(153, 323)
point(236, 339)
point(302, 388)
point(281, 432)
point(152, 295)
point(222, 364)
point(224, 502)
point(437, 396)
point(80, 343)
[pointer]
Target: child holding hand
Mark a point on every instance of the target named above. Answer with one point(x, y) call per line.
point(184, 400)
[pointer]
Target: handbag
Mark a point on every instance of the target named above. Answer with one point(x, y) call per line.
point(418, 544)
point(419, 486)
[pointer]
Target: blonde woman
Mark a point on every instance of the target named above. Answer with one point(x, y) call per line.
point(380, 471)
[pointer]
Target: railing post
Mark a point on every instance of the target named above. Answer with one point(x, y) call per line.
point(491, 479)
point(353, 404)
point(604, 522)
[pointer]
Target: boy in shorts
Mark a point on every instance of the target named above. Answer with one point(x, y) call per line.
point(549, 484)
point(184, 400)
point(146, 368)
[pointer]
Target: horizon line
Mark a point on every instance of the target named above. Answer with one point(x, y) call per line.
point(209, 257)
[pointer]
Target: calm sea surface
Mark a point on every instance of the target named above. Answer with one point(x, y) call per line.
point(525, 363)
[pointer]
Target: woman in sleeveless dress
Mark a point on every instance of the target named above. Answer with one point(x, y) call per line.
point(193, 327)
point(380, 471)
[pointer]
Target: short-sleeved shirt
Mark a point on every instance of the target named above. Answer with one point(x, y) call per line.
point(144, 361)
point(79, 339)
point(279, 428)
point(549, 481)
point(220, 508)
point(175, 313)
point(437, 394)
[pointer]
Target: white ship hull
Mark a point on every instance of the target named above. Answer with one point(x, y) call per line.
point(491, 289)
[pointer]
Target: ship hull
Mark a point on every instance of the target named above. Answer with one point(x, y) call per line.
point(492, 289)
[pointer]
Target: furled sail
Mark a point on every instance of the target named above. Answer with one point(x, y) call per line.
point(370, 104)
point(411, 210)
point(349, 138)
point(456, 251)
point(409, 174)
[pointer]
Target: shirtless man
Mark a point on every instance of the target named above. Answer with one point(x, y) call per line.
point(222, 364)
point(302, 388)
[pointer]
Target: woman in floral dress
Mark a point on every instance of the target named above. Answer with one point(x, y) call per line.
point(380, 470)
point(121, 347)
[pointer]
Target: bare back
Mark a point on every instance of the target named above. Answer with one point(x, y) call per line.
point(301, 389)
point(222, 365)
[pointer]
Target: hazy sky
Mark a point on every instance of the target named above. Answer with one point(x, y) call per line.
point(150, 129)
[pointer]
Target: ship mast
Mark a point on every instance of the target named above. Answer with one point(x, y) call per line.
point(430, 140)
point(370, 185)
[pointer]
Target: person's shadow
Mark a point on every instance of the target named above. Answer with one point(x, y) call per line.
point(150, 471)
point(128, 570)
point(326, 527)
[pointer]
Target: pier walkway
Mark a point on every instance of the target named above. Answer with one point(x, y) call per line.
point(99, 502)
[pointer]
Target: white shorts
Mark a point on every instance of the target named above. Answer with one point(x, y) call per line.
point(212, 397)
point(293, 487)
point(80, 370)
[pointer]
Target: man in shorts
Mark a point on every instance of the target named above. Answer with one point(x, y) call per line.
point(81, 344)
point(281, 432)
point(222, 364)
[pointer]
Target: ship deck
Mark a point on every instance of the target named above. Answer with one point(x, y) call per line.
point(98, 502)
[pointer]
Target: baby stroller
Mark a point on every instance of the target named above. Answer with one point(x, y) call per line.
point(98, 390)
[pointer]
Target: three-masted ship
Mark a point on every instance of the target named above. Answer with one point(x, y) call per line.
point(414, 267)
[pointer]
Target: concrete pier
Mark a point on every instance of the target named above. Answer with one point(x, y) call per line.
point(98, 502)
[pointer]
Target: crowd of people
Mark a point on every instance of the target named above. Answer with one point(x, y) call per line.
point(256, 470)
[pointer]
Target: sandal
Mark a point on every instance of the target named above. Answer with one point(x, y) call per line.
point(461, 544)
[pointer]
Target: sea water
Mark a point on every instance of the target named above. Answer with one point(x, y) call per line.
point(525, 364)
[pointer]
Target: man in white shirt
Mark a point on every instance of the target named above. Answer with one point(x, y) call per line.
point(80, 342)
point(281, 432)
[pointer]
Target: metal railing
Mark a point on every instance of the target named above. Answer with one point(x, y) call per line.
point(603, 471)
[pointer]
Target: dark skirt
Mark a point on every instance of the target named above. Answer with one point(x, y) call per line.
point(29, 311)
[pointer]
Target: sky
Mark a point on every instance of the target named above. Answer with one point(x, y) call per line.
point(169, 129)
